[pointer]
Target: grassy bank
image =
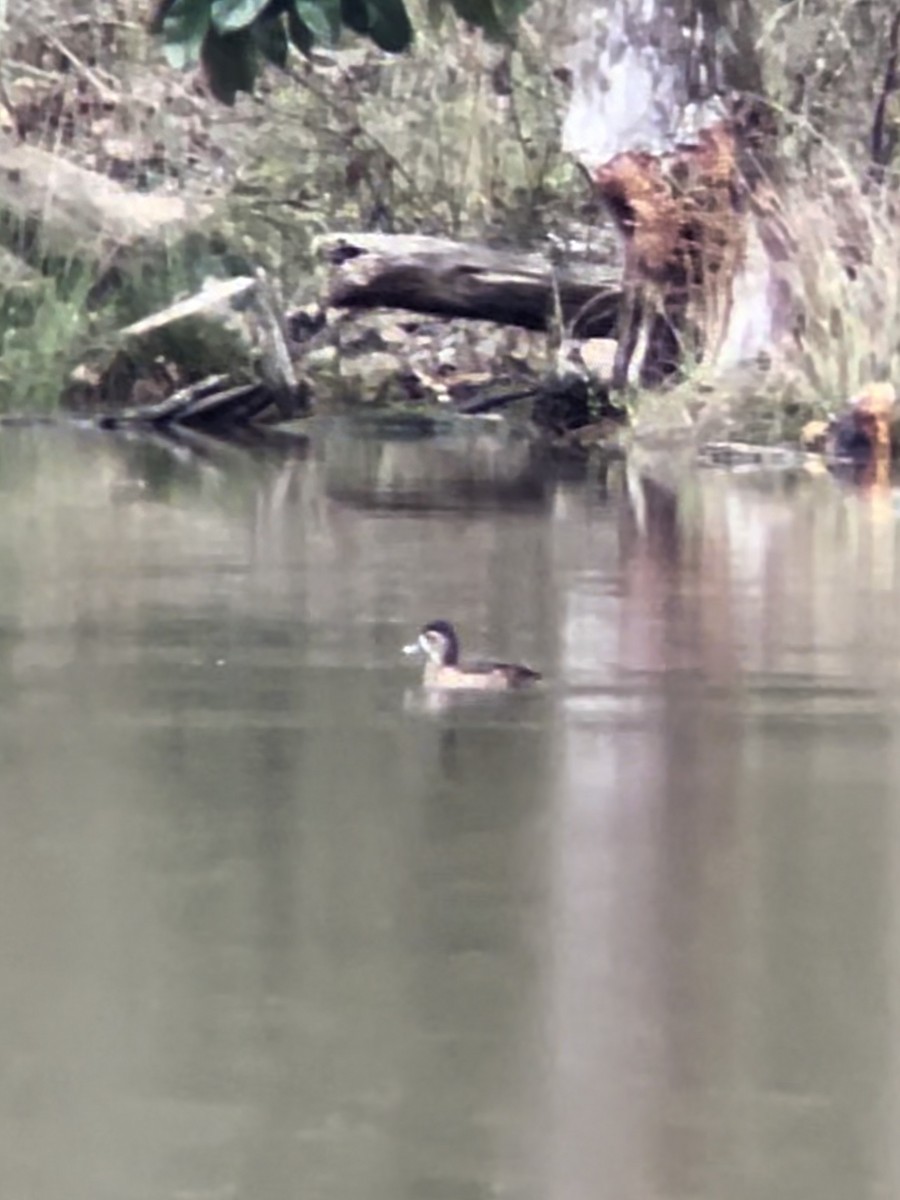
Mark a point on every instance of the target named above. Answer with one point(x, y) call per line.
point(460, 137)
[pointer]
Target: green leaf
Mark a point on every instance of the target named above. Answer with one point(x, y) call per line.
point(271, 40)
point(355, 15)
point(496, 18)
point(389, 25)
point(158, 15)
point(509, 11)
point(332, 10)
point(231, 64)
point(481, 14)
point(184, 29)
point(300, 34)
point(228, 16)
point(321, 17)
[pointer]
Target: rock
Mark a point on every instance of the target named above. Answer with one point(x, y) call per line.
point(598, 356)
point(814, 436)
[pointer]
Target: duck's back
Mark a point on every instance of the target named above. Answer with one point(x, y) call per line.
point(515, 674)
point(482, 676)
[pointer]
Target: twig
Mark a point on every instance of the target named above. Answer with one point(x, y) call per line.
point(881, 144)
point(107, 95)
point(337, 107)
point(17, 67)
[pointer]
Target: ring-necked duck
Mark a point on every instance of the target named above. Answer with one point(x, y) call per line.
point(439, 642)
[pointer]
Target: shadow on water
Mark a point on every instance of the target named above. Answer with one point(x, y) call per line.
point(274, 921)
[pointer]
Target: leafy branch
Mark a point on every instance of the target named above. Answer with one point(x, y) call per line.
point(232, 39)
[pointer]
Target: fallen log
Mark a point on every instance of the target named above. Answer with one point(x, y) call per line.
point(259, 343)
point(231, 328)
point(80, 213)
point(461, 279)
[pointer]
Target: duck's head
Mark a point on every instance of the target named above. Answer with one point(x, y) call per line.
point(438, 641)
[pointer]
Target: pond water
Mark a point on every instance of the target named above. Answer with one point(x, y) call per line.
point(275, 923)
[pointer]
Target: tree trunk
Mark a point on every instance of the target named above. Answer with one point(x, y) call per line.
point(681, 164)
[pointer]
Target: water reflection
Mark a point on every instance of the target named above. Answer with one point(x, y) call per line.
point(427, 463)
point(272, 922)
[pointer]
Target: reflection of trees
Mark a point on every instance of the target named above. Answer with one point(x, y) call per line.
point(722, 865)
point(262, 924)
point(633, 934)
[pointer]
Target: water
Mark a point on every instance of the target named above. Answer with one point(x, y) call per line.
point(275, 924)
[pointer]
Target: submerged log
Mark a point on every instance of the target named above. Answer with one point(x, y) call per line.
point(211, 402)
point(457, 279)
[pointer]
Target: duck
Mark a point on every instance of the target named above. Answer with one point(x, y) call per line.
point(439, 642)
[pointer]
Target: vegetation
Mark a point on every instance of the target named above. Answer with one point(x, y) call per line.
point(832, 70)
point(231, 38)
point(459, 134)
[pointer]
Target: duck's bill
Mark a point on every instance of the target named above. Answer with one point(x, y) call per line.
point(413, 648)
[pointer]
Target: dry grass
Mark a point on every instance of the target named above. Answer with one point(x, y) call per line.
point(458, 137)
point(845, 275)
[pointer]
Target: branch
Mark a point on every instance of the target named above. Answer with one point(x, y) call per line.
point(881, 144)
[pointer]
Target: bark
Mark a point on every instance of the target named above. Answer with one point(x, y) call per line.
point(659, 119)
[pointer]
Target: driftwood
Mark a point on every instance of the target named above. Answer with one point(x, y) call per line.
point(217, 295)
point(457, 279)
point(210, 402)
point(211, 405)
point(230, 329)
point(216, 302)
